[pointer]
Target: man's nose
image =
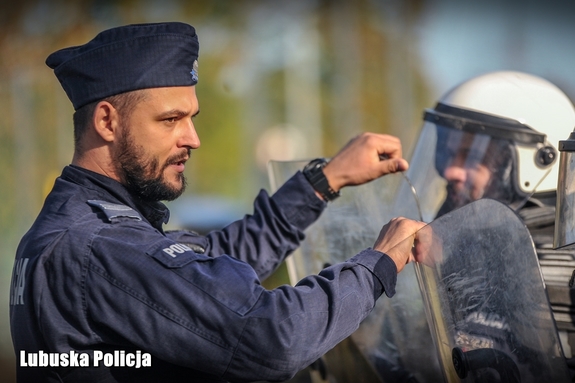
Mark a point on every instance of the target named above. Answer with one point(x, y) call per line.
point(455, 172)
point(189, 137)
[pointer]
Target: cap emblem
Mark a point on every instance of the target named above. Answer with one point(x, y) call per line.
point(194, 71)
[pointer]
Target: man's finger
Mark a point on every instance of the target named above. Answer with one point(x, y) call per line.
point(394, 165)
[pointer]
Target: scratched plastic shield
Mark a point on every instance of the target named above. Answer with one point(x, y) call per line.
point(394, 344)
point(485, 298)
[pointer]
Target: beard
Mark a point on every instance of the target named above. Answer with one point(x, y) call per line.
point(143, 175)
point(458, 197)
point(455, 199)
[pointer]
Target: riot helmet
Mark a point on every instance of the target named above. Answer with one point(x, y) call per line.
point(493, 136)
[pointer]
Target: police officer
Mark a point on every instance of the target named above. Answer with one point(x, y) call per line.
point(496, 136)
point(101, 292)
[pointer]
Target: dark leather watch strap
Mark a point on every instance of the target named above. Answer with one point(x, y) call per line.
point(313, 171)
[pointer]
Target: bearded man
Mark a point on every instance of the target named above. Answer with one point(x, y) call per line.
point(101, 293)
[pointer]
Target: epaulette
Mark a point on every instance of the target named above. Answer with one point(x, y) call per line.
point(114, 210)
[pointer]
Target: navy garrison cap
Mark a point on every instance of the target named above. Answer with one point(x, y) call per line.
point(128, 58)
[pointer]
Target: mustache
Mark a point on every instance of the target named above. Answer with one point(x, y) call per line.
point(458, 196)
point(177, 158)
point(454, 199)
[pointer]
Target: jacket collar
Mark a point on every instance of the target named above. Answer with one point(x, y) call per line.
point(156, 213)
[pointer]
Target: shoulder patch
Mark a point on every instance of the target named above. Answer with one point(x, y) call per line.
point(115, 210)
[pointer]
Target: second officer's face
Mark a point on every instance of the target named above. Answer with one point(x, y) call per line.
point(156, 141)
point(464, 167)
point(465, 182)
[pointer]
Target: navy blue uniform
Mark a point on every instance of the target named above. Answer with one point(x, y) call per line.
point(96, 271)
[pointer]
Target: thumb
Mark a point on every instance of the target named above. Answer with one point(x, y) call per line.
point(394, 165)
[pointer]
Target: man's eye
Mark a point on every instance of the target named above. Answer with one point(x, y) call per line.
point(171, 119)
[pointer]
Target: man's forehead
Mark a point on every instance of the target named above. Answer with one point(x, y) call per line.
point(166, 98)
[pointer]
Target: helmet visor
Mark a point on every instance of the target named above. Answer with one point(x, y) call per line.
point(472, 166)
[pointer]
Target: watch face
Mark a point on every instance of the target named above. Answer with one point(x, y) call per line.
point(318, 163)
point(313, 170)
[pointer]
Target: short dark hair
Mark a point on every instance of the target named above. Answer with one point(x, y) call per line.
point(123, 102)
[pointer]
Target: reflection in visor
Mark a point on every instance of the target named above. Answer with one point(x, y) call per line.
point(475, 166)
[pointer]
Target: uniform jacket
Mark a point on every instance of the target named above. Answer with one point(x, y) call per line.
point(97, 275)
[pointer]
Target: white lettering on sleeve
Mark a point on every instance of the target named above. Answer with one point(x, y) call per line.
point(176, 249)
point(18, 282)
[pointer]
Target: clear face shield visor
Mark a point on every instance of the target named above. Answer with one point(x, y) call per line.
point(458, 160)
point(474, 166)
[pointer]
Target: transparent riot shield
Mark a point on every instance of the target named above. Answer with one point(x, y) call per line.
point(485, 299)
point(394, 344)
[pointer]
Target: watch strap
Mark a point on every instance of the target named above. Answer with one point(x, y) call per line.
point(313, 171)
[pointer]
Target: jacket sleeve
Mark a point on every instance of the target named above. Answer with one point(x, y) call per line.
point(212, 314)
point(274, 230)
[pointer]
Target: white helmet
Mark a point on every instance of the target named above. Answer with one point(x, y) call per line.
point(508, 123)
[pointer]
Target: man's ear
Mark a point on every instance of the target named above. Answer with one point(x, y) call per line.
point(106, 121)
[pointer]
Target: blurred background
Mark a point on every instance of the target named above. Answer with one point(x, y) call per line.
point(278, 80)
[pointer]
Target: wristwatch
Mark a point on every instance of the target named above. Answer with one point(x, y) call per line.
point(313, 171)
